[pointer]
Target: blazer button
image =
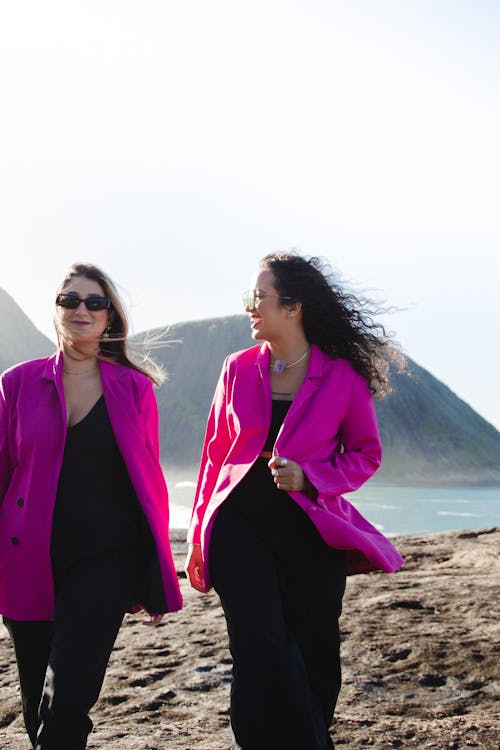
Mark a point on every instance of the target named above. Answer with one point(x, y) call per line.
point(15, 541)
point(20, 502)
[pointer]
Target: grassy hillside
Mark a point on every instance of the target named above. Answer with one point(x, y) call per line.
point(427, 431)
point(19, 339)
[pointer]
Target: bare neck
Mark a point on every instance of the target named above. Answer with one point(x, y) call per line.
point(290, 349)
point(80, 360)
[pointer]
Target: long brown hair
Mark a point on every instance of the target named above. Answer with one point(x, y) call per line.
point(113, 345)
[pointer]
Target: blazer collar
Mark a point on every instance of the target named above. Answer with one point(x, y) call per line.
point(263, 359)
point(316, 363)
point(312, 378)
point(53, 366)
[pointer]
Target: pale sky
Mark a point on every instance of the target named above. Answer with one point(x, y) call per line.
point(175, 143)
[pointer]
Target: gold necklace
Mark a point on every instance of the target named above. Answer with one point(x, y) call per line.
point(79, 372)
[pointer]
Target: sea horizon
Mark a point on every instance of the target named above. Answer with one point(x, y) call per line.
point(393, 509)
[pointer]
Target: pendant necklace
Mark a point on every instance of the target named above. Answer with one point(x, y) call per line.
point(280, 365)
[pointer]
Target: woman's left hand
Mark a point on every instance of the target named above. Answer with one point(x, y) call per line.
point(288, 475)
point(154, 620)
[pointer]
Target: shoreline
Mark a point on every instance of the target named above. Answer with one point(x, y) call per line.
point(172, 477)
point(420, 664)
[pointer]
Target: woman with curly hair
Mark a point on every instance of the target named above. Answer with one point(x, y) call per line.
point(292, 427)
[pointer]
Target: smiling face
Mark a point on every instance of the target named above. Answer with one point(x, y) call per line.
point(270, 320)
point(81, 325)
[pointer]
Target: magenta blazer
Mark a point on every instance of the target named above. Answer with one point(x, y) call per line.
point(330, 430)
point(33, 428)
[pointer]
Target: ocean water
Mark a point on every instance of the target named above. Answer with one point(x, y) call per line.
point(425, 510)
point(392, 509)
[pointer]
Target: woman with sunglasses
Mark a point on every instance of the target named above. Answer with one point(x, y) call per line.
point(292, 427)
point(84, 509)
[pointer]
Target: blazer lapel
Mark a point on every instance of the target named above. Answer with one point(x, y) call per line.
point(117, 406)
point(53, 372)
point(262, 365)
point(308, 388)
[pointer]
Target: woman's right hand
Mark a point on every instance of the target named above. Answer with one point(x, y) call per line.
point(195, 568)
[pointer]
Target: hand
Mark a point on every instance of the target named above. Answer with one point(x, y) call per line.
point(195, 568)
point(288, 475)
point(154, 620)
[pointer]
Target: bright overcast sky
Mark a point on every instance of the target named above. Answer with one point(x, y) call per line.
point(175, 143)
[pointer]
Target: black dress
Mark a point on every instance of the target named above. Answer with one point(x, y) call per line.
point(281, 588)
point(96, 509)
point(97, 512)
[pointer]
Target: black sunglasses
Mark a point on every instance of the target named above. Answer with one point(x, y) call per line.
point(93, 302)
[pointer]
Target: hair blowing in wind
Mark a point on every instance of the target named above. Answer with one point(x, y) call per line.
point(339, 322)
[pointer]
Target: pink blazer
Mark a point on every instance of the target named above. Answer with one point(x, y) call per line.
point(330, 429)
point(32, 438)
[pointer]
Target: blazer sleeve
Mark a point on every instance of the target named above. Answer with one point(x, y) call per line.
point(215, 449)
point(359, 454)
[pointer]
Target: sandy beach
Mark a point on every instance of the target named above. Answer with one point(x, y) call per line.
point(420, 661)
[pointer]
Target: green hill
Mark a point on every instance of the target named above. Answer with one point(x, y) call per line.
point(19, 339)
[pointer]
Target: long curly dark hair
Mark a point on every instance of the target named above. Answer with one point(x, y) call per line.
point(337, 321)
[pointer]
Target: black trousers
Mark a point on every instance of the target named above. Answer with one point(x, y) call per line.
point(62, 663)
point(281, 589)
